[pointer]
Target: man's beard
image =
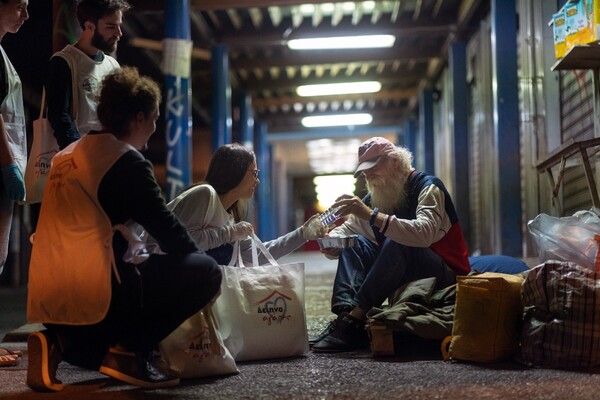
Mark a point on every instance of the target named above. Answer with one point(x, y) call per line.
point(101, 44)
point(387, 194)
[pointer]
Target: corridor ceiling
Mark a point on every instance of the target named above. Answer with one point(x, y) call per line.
point(255, 33)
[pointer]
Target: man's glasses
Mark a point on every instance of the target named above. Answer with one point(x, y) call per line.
point(255, 173)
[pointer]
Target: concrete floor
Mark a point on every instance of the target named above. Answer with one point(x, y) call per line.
point(417, 373)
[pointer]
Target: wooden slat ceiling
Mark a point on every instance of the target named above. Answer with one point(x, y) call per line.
point(255, 33)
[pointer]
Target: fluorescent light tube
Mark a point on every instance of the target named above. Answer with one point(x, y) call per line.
point(337, 120)
point(328, 89)
point(342, 42)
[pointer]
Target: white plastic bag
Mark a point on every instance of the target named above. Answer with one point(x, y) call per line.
point(567, 238)
point(261, 311)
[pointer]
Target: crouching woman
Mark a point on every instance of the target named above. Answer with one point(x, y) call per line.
point(104, 301)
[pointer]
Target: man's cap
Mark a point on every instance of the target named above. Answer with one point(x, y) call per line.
point(370, 152)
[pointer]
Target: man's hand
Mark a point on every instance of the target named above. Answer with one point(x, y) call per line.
point(331, 252)
point(352, 205)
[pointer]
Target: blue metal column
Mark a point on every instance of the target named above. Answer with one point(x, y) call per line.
point(177, 61)
point(246, 120)
point(221, 97)
point(459, 92)
point(263, 195)
point(506, 124)
point(425, 146)
point(410, 136)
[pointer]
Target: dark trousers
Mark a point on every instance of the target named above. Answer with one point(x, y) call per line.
point(152, 300)
point(367, 274)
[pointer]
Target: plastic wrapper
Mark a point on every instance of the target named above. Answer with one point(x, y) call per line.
point(567, 238)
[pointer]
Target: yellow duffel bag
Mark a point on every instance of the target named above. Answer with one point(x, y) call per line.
point(487, 318)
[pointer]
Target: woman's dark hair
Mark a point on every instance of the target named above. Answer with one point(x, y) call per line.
point(228, 166)
point(124, 94)
point(93, 10)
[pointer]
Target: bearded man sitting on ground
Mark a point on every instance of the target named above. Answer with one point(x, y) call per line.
point(408, 230)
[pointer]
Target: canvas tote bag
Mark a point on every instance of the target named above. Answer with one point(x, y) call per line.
point(44, 146)
point(195, 349)
point(260, 311)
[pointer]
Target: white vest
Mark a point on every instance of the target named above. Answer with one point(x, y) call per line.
point(72, 254)
point(89, 75)
point(14, 116)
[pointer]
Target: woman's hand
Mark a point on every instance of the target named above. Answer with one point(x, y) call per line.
point(313, 229)
point(240, 231)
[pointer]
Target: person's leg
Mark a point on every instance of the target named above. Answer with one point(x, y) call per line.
point(221, 254)
point(353, 266)
point(6, 215)
point(173, 290)
point(397, 265)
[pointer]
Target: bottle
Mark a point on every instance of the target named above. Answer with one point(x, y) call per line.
point(329, 216)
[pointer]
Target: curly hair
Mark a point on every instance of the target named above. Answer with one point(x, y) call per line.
point(124, 94)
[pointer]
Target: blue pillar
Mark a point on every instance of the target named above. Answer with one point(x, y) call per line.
point(506, 124)
point(425, 147)
point(221, 97)
point(177, 61)
point(459, 92)
point(410, 136)
point(263, 195)
point(246, 120)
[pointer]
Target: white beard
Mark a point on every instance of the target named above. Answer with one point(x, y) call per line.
point(387, 194)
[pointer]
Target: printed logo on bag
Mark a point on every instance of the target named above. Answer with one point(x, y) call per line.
point(199, 346)
point(273, 308)
point(42, 164)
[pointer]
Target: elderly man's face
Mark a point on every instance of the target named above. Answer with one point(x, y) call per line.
point(386, 185)
point(377, 175)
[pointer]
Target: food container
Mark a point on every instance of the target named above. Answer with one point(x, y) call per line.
point(338, 242)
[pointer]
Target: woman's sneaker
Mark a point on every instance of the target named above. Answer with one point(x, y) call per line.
point(134, 369)
point(44, 356)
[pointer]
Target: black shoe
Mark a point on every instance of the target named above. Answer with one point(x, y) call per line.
point(328, 329)
point(44, 356)
point(348, 334)
point(132, 368)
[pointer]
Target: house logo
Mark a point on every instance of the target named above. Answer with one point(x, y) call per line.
point(273, 308)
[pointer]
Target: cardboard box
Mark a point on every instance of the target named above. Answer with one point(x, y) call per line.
point(589, 34)
point(577, 23)
point(559, 29)
point(387, 341)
